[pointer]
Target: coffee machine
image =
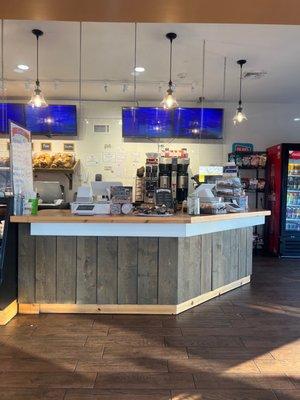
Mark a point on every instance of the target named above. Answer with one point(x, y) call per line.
point(173, 174)
point(165, 169)
point(151, 180)
point(182, 179)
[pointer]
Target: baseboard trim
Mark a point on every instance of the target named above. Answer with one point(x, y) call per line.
point(9, 312)
point(210, 295)
point(129, 308)
point(29, 308)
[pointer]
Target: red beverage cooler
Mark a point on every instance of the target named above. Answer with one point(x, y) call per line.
point(283, 199)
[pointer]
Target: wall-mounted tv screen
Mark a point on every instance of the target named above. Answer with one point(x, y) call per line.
point(152, 122)
point(51, 120)
point(13, 112)
point(206, 123)
point(54, 119)
point(184, 123)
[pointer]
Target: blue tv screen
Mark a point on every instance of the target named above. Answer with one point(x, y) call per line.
point(206, 123)
point(184, 123)
point(146, 122)
point(53, 120)
point(11, 111)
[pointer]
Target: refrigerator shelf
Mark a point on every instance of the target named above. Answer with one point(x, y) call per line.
point(293, 190)
point(293, 219)
point(293, 205)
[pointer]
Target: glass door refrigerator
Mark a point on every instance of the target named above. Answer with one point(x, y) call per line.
point(283, 199)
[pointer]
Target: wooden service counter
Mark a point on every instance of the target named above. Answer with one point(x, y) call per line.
point(130, 264)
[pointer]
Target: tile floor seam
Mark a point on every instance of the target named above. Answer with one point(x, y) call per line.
point(194, 380)
point(76, 364)
point(274, 393)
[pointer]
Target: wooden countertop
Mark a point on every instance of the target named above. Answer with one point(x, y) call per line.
point(55, 216)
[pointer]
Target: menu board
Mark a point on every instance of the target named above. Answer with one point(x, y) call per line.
point(21, 159)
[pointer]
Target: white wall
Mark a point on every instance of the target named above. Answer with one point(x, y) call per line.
point(267, 124)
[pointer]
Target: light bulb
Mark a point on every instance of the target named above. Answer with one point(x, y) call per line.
point(240, 116)
point(37, 99)
point(169, 101)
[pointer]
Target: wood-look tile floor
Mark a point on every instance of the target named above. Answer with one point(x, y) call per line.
point(242, 346)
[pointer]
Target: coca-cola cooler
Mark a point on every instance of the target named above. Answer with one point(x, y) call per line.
point(283, 199)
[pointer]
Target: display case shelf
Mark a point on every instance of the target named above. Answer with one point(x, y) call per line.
point(257, 195)
point(68, 172)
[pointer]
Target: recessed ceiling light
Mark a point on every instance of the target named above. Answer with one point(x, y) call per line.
point(139, 69)
point(23, 67)
point(297, 119)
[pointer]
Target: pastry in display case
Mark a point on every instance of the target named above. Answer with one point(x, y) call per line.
point(4, 161)
point(56, 160)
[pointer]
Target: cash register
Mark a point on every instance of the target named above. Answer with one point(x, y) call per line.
point(94, 199)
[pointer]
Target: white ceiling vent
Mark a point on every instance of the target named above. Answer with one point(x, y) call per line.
point(254, 74)
point(101, 128)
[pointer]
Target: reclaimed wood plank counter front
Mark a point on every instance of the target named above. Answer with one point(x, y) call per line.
point(131, 264)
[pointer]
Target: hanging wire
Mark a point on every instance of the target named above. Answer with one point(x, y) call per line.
point(224, 98)
point(135, 64)
point(80, 73)
point(2, 53)
point(202, 87)
point(224, 78)
point(3, 109)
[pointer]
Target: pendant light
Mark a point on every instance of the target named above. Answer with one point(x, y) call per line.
point(240, 115)
point(169, 100)
point(37, 99)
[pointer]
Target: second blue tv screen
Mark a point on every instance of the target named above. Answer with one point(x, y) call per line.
point(150, 122)
point(184, 123)
point(206, 123)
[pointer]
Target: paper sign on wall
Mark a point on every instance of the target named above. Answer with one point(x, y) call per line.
point(92, 160)
point(108, 157)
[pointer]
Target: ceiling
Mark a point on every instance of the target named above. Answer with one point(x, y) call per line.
point(107, 55)
point(217, 11)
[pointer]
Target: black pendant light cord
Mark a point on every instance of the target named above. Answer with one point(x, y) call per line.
point(241, 77)
point(37, 61)
point(171, 56)
point(37, 33)
point(241, 63)
point(171, 36)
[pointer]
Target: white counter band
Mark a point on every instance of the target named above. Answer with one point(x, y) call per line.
point(141, 229)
